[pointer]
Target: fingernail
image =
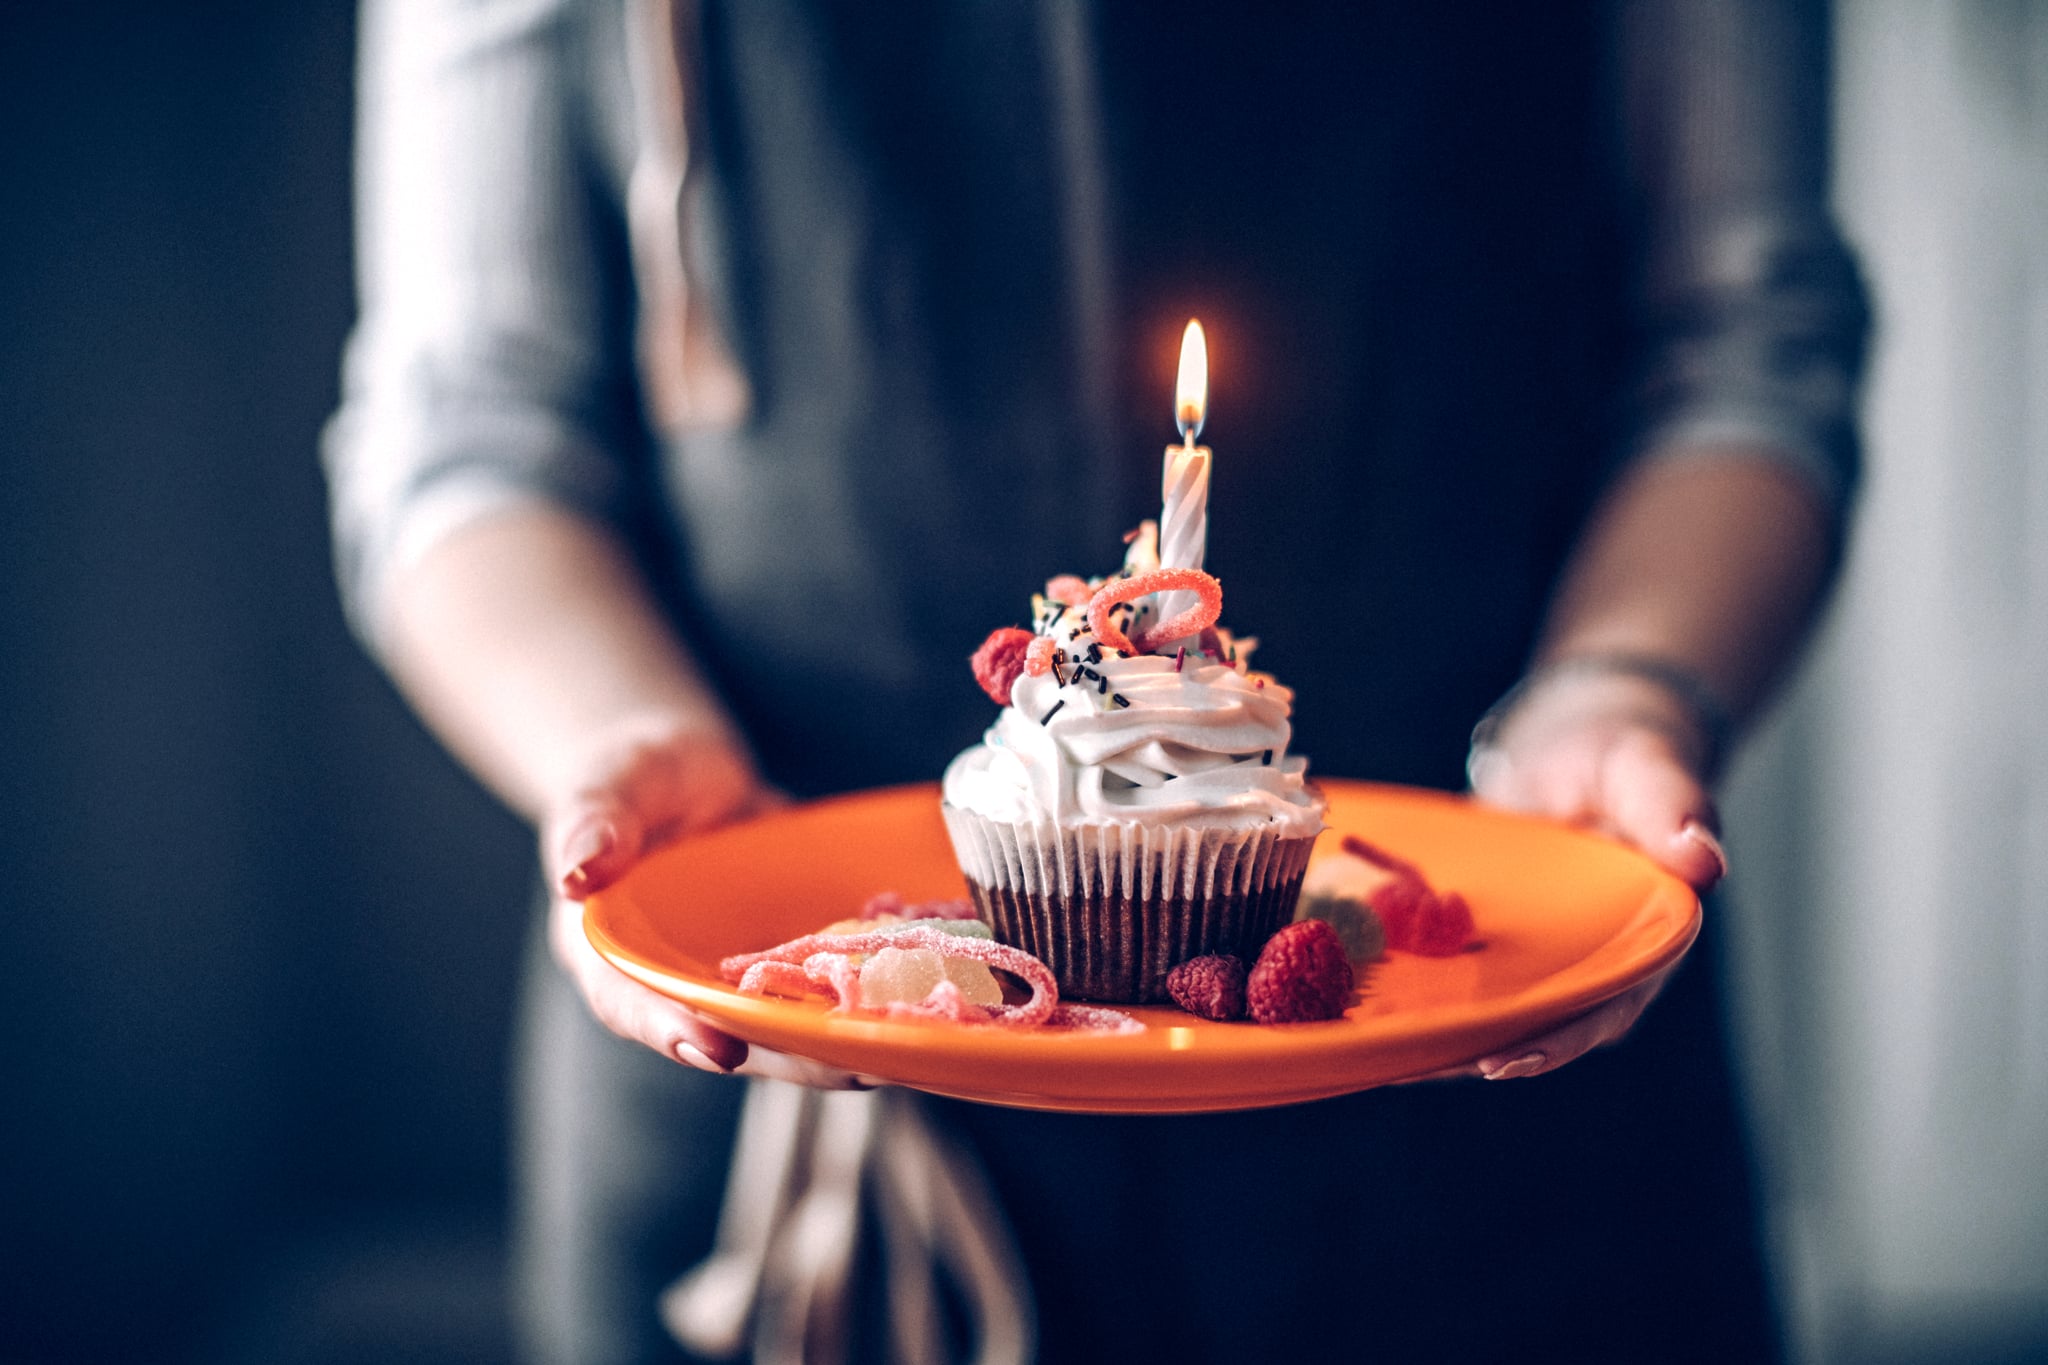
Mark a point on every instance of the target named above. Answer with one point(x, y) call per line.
point(1704, 837)
point(585, 844)
point(1528, 1064)
point(688, 1055)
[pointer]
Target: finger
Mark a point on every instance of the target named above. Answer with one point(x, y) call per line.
point(592, 843)
point(632, 1010)
point(639, 1014)
point(642, 794)
point(1449, 1073)
point(1652, 800)
point(1604, 1024)
point(687, 782)
point(1557, 778)
point(765, 1064)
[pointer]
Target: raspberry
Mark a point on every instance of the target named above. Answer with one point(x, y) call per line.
point(1442, 927)
point(1417, 919)
point(883, 905)
point(1301, 975)
point(1210, 987)
point(1399, 905)
point(1420, 921)
point(999, 660)
point(954, 909)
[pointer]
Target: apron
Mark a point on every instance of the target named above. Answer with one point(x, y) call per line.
point(950, 247)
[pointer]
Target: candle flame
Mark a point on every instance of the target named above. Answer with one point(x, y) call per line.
point(1191, 393)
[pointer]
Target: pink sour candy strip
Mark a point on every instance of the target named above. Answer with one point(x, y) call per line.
point(774, 978)
point(1092, 1019)
point(945, 1003)
point(837, 974)
point(1197, 618)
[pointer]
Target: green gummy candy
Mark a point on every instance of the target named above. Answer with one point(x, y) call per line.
point(1358, 928)
point(959, 928)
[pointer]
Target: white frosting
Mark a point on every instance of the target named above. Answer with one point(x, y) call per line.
point(1172, 737)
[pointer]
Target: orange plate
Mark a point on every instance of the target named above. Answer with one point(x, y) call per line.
point(1565, 920)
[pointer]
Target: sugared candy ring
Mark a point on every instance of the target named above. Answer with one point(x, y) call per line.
point(1189, 622)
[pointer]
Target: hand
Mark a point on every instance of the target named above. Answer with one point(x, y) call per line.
point(1622, 754)
point(643, 786)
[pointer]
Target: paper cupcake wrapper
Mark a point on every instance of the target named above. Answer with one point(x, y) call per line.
point(1112, 908)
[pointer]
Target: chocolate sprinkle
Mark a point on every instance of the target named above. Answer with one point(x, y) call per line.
point(1046, 719)
point(1268, 759)
point(1120, 699)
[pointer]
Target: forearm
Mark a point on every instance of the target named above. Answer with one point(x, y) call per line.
point(528, 638)
point(1714, 563)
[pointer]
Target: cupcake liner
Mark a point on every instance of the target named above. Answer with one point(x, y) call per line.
point(1112, 908)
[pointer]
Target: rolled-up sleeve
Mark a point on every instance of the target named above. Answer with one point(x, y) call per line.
point(1754, 315)
point(479, 375)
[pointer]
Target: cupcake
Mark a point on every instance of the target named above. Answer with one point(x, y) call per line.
point(1135, 804)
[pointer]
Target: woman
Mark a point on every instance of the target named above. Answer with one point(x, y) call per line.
point(1540, 350)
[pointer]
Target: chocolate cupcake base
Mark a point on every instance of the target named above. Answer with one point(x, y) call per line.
point(1112, 908)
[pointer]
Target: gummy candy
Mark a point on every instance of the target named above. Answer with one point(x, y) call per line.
point(1189, 622)
point(1035, 974)
point(1358, 928)
point(908, 975)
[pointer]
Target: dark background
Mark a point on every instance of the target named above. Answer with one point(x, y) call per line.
point(258, 934)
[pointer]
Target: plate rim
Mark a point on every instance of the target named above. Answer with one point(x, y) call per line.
point(1094, 1061)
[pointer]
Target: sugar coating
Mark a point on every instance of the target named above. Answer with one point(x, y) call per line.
point(1035, 974)
point(908, 975)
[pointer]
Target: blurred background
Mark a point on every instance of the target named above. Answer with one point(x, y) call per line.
point(261, 935)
